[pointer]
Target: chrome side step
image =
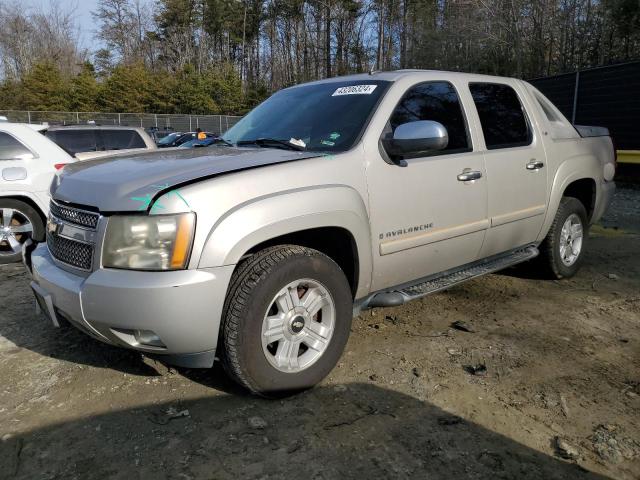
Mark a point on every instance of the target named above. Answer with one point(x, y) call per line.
point(404, 293)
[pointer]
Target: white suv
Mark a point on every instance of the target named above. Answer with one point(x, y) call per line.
point(28, 162)
point(93, 141)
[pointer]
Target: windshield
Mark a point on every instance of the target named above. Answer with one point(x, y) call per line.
point(185, 137)
point(321, 117)
point(169, 138)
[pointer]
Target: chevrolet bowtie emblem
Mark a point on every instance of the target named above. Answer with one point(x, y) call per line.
point(53, 225)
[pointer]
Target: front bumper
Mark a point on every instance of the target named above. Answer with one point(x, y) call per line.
point(183, 308)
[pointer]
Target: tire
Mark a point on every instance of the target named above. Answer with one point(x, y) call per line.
point(554, 263)
point(23, 222)
point(256, 291)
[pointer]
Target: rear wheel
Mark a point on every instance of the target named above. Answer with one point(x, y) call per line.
point(287, 318)
point(562, 250)
point(18, 223)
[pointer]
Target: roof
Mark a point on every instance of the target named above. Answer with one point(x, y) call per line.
point(92, 127)
point(394, 75)
point(15, 126)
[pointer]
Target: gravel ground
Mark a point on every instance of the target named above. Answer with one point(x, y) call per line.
point(545, 385)
point(624, 212)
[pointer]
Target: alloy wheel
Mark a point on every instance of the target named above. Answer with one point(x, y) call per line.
point(298, 325)
point(571, 237)
point(15, 229)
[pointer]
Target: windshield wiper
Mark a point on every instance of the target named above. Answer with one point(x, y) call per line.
point(222, 141)
point(271, 142)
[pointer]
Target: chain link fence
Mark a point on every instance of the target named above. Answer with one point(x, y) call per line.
point(217, 124)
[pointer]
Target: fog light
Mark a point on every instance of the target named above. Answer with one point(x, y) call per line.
point(148, 337)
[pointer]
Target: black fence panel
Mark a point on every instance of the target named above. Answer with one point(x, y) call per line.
point(606, 96)
point(559, 90)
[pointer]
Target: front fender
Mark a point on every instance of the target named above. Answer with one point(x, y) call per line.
point(39, 199)
point(264, 218)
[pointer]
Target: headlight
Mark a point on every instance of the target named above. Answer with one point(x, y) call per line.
point(155, 242)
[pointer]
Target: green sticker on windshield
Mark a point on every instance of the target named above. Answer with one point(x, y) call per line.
point(334, 136)
point(328, 143)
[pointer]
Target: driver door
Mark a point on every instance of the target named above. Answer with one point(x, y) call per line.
point(425, 218)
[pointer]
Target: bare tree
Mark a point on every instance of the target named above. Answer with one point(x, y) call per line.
point(227, 49)
point(29, 36)
point(123, 27)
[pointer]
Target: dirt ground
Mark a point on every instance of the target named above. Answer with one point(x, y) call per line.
point(551, 369)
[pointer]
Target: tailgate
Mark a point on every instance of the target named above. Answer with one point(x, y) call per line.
point(589, 131)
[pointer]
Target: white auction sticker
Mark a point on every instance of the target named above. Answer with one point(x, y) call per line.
point(355, 90)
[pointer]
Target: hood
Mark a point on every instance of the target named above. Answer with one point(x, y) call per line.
point(109, 184)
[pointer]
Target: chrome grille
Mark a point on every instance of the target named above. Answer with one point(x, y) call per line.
point(74, 248)
point(71, 252)
point(73, 215)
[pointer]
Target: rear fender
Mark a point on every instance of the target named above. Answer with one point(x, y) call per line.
point(576, 168)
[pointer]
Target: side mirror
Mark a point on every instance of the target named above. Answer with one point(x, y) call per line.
point(417, 137)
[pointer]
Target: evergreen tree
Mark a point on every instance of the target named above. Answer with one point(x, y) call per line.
point(43, 88)
point(225, 87)
point(255, 94)
point(162, 93)
point(10, 95)
point(193, 93)
point(104, 62)
point(128, 89)
point(84, 90)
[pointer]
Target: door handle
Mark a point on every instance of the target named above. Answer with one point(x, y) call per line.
point(469, 175)
point(535, 164)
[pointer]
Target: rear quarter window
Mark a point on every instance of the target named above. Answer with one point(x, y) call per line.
point(559, 126)
point(74, 141)
point(11, 148)
point(121, 139)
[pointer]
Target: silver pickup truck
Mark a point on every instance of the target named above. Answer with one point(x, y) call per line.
point(330, 197)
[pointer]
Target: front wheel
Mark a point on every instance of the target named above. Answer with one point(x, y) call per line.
point(562, 250)
point(286, 320)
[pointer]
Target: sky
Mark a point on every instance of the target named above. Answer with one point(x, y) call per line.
point(82, 11)
point(84, 18)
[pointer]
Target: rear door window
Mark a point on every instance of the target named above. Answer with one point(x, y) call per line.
point(502, 117)
point(12, 149)
point(121, 139)
point(185, 138)
point(172, 137)
point(439, 102)
point(74, 141)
